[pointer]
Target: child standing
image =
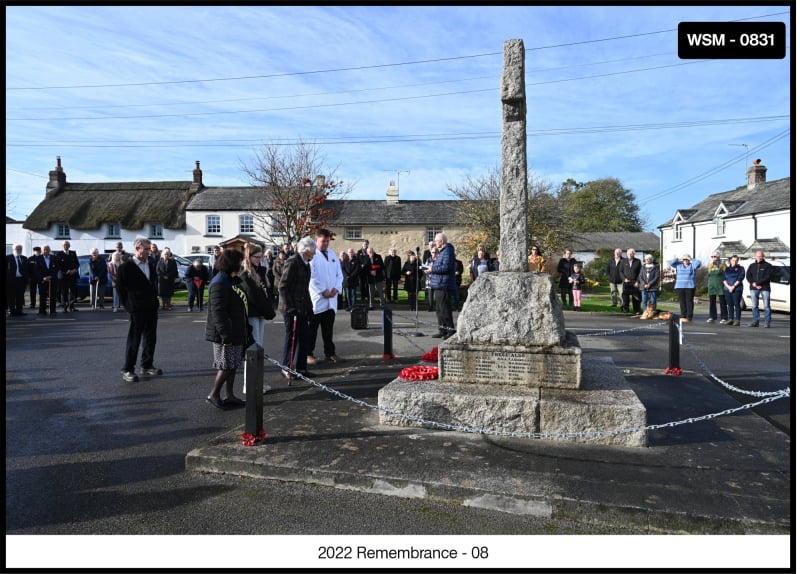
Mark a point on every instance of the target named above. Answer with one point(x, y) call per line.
point(577, 279)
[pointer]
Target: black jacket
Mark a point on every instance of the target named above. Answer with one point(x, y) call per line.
point(758, 274)
point(393, 265)
point(227, 312)
point(136, 292)
point(351, 269)
point(631, 269)
point(45, 270)
point(258, 304)
point(565, 269)
point(11, 267)
point(614, 270)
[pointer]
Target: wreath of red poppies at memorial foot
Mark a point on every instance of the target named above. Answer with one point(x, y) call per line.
point(432, 356)
point(674, 371)
point(251, 439)
point(419, 373)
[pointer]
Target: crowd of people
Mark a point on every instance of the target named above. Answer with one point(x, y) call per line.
point(308, 283)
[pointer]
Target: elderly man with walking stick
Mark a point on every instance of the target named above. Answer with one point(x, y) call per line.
point(296, 307)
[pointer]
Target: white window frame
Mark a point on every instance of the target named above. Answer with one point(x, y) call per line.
point(113, 231)
point(62, 230)
point(430, 233)
point(217, 227)
point(353, 233)
point(243, 227)
point(156, 231)
point(677, 232)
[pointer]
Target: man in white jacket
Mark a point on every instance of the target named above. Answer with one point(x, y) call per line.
point(326, 280)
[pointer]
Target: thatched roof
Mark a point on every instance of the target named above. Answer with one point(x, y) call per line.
point(766, 197)
point(132, 205)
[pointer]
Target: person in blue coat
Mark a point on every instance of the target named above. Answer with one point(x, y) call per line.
point(685, 284)
point(442, 280)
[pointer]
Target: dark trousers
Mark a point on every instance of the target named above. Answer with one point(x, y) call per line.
point(34, 288)
point(413, 297)
point(444, 313)
point(391, 287)
point(195, 292)
point(141, 329)
point(363, 283)
point(295, 346)
point(566, 294)
point(631, 294)
point(686, 301)
point(16, 295)
point(734, 303)
point(712, 307)
point(69, 290)
point(46, 290)
point(324, 320)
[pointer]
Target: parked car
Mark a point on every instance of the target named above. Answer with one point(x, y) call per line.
point(183, 266)
point(83, 277)
point(780, 298)
point(204, 257)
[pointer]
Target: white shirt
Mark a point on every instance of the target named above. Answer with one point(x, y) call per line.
point(326, 273)
point(144, 266)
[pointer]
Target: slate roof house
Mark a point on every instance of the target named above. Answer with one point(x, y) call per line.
point(736, 222)
point(220, 212)
point(190, 217)
point(585, 245)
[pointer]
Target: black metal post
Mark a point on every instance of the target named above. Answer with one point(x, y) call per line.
point(674, 342)
point(387, 333)
point(254, 379)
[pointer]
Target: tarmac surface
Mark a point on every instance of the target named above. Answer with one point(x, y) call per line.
point(711, 467)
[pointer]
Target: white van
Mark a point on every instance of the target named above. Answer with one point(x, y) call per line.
point(780, 298)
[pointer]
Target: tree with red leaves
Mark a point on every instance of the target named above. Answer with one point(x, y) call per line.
point(292, 199)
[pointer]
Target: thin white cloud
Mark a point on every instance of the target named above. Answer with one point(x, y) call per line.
point(350, 74)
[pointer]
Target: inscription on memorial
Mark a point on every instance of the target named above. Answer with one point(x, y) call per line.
point(556, 368)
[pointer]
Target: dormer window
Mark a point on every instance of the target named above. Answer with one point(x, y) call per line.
point(719, 221)
point(676, 232)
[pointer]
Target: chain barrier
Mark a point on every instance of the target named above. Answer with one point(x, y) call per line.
point(474, 430)
point(768, 397)
point(728, 386)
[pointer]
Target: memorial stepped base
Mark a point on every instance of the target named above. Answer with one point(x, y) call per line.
point(605, 402)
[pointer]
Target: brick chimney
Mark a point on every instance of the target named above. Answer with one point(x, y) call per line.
point(58, 179)
point(197, 174)
point(756, 174)
point(392, 193)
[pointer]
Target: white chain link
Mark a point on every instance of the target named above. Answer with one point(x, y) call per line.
point(769, 397)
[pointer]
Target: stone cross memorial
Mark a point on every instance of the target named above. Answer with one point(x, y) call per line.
point(511, 366)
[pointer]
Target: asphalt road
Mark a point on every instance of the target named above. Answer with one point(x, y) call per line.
point(89, 454)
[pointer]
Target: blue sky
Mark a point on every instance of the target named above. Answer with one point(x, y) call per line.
point(140, 93)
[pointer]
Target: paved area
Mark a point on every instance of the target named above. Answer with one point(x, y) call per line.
point(729, 474)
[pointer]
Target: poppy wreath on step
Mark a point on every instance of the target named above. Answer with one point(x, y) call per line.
point(674, 371)
point(419, 373)
point(432, 356)
point(251, 439)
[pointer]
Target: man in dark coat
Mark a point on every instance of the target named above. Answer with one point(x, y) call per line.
point(365, 262)
point(630, 283)
point(33, 274)
point(615, 277)
point(137, 285)
point(393, 265)
point(565, 266)
point(294, 303)
point(68, 266)
point(16, 278)
point(48, 281)
point(442, 280)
